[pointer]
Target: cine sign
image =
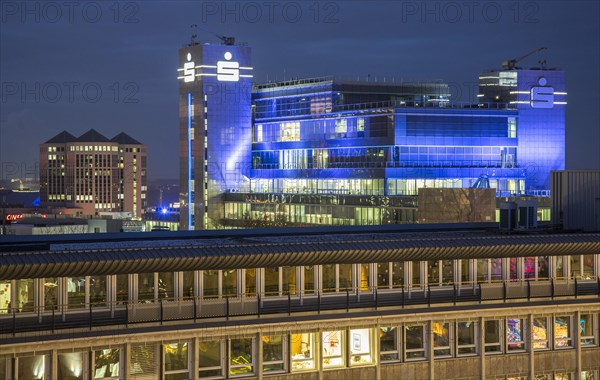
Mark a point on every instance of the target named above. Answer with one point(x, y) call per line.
point(13, 217)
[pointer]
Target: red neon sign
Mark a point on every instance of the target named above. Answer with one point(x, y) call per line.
point(13, 217)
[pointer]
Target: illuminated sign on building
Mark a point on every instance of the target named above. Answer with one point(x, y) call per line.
point(542, 96)
point(228, 71)
point(189, 70)
point(13, 217)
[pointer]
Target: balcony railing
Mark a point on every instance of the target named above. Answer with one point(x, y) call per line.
point(49, 319)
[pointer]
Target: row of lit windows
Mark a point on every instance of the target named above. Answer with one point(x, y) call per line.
point(77, 292)
point(376, 186)
point(308, 351)
point(94, 148)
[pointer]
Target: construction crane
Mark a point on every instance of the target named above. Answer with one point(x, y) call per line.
point(229, 41)
point(512, 63)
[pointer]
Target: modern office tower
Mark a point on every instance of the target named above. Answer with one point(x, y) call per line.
point(93, 173)
point(215, 129)
point(539, 97)
point(413, 302)
point(327, 151)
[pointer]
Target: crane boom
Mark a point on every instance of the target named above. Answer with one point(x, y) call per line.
point(511, 63)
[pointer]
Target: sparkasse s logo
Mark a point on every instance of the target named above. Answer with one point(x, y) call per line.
point(228, 70)
point(542, 96)
point(189, 69)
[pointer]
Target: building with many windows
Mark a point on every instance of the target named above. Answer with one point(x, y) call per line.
point(94, 173)
point(327, 151)
point(460, 301)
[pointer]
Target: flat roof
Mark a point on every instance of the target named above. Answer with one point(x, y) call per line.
point(281, 247)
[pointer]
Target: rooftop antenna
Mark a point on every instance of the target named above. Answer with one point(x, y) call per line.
point(194, 28)
point(229, 41)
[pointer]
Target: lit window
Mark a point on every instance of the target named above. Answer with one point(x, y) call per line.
point(512, 127)
point(360, 347)
point(441, 339)
point(562, 332)
point(107, 364)
point(540, 333)
point(70, 366)
point(341, 126)
point(333, 353)
point(360, 124)
point(259, 133)
point(586, 325)
point(302, 352)
point(515, 334)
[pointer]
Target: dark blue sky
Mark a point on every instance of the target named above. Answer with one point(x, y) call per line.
point(55, 58)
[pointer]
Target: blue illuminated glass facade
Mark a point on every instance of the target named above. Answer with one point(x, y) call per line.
point(324, 151)
point(215, 86)
point(409, 137)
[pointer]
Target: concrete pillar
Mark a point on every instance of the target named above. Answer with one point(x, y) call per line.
point(377, 351)
point(482, 347)
point(54, 365)
point(126, 361)
point(195, 361)
point(319, 353)
point(430, 350)
point(529, 344)
point(577, 343)
point(259, 357)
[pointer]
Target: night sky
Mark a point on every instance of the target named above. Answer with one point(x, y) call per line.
point(55, 57)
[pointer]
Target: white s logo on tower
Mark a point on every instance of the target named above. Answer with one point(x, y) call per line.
point(542, 96)
point(228, 71)
point(189, 70)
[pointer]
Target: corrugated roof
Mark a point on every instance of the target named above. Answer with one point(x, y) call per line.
point(255, 254)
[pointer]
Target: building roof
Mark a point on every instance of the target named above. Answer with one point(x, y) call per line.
point(124, 139)
point(238, 252)
point(61, 138)
point(92, 136)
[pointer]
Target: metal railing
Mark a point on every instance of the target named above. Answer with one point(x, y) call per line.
point(49, 319)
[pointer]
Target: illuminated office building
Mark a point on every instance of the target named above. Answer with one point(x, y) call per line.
point(94, 173)
point(327, 151)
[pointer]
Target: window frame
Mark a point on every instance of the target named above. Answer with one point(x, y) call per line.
point(424, 345)
point(282, 361)
point(342, 349)
point(568, 339)
point(500, 336)
point(222, 358)
point(251, 364)
point(474, 346)
point(312, 349)
point(449, 347)
point(594, 336)
point(190, 350)
point(539, 341)
point(398, 344)
point(520, 345)
point(352, 334)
